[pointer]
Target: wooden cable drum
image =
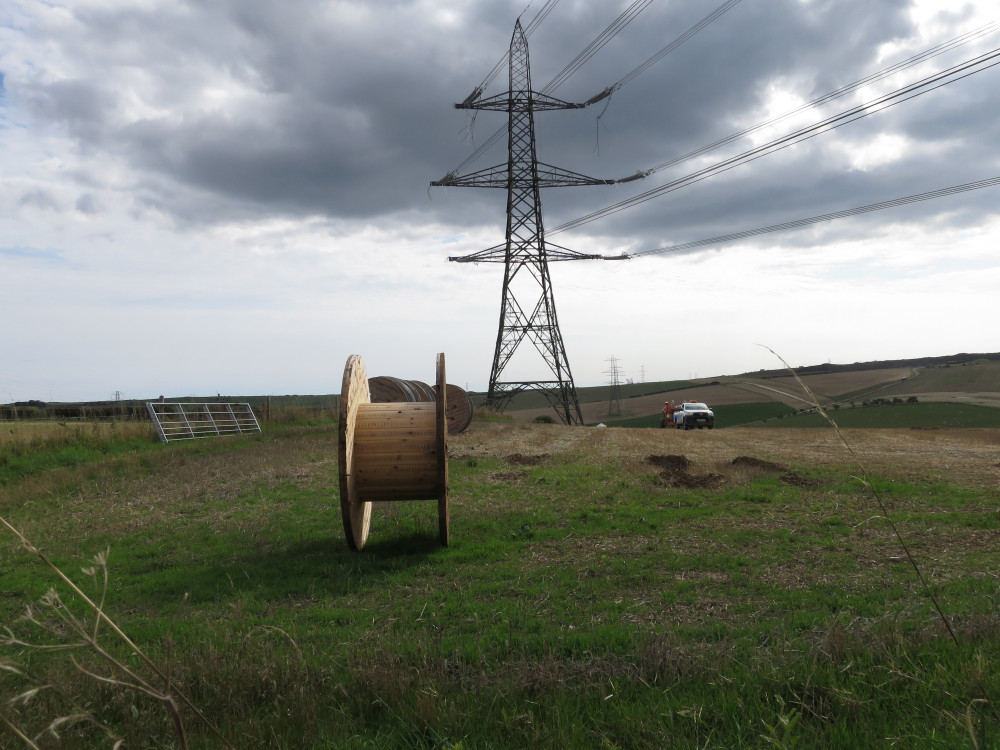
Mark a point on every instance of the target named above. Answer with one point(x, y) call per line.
point(385, 389)
point(390, 451)
point(459, 409)
point(423, 391)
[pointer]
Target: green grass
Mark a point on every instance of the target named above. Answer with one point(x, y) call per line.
point(31, 449)
point(584, 601)
point(727, 415)
point(900, 415)
point(650, 420)
point(730, 415)
point(971, 377)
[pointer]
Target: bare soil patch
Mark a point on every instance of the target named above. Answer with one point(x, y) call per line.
point(788, 476)
point(795, 480)
point(670, 463)
point(676, 472)
point(758, 463)
point(519, 459)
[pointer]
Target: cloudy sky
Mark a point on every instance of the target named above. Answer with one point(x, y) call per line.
point(232, 196)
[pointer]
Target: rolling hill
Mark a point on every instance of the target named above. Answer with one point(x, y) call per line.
point(972, 380)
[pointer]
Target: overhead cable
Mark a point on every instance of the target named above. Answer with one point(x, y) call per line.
point(798, 223)
point(920, 57)
point(609, 32)
point(623, 19)
point(633, 74)
point(923, 56)
point(951, 75)
point(503, 62)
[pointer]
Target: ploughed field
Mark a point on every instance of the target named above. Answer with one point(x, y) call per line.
point(603, 588)
point(974, 383)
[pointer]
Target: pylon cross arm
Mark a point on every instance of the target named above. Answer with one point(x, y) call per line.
point(521, 101)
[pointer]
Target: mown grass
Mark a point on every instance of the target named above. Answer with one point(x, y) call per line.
point(590, 597)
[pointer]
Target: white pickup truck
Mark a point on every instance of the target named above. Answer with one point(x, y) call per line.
point(691, 414)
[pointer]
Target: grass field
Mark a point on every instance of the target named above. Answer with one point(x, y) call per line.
point(726, 415)
point(604, 588)
point(900, 415)
point(972, 376)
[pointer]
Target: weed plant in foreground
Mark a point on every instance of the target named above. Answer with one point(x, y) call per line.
point(603, 588)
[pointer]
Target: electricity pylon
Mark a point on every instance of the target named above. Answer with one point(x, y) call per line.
point(615, 394)
point(527, 308)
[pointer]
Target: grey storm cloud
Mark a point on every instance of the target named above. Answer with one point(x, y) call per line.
point(229, 109)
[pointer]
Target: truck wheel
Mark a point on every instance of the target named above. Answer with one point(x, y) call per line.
point(687, 426)
point(711, 426)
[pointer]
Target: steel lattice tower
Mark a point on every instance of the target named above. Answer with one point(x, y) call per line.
point(615, 393)
point(528, 308)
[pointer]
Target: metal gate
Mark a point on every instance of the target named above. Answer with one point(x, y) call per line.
point(186, 421)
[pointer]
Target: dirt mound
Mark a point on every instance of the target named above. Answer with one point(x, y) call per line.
point(795, 480)
point(676, 473)
point(758, 463)
point(519, 459)
point(670, 463)
point(788, 476)
point(693, 481)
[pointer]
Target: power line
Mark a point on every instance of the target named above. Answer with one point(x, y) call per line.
point(920, 57)
point(910, 91)
point(502, 64)
point(633, 74)
point(624, 19)
point(612, 30)
point(923, 56)
point(798, 223)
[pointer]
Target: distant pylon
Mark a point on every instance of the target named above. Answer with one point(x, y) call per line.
point(528, 307)
point(615, 396)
